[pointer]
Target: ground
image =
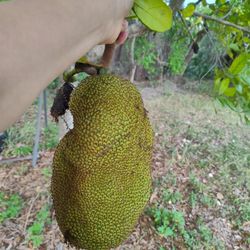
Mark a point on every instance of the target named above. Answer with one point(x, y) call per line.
point(200, 173)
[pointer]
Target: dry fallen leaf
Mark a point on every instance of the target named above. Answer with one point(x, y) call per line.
point(220, 196)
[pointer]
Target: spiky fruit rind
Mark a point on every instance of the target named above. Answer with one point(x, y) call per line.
point(101, 169)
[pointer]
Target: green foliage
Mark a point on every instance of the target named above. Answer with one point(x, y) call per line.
point(162, 248)
point(197, 185)
point(232, 86)
point(51, 136)
point(20, 139)
point(193, 199)
point(47, 172)
point(171, 223)
point(201, 65)
point(155, 14)
point(171, 196)
point(232, 80)
point(188, 11)
point(177, 57)
point(241, 212)
point(205, 233)
point(35, 231)
point(168, 223)
point(207, 201)
point(10, 206)
point(145, 55)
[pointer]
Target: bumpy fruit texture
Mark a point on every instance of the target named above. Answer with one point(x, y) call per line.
point(101, 170)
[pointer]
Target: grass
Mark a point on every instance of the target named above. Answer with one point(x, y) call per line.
point(172, 196)
point(21, 139)
point(209, 147)
point(10, 206)
point(36, 230)
point(168, 223)
point(46, 172)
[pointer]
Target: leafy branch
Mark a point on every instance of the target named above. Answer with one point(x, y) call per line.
point(244, 29)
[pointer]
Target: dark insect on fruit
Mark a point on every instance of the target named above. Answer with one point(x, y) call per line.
point(61, 101)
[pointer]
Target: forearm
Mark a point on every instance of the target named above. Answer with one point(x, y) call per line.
point(39, 39)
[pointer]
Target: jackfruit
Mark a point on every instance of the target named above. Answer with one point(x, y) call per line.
point(101, 177)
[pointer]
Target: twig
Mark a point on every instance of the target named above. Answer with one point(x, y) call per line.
point(228, 13)
point(244, 29)
point(28, 214)
point(209, 70)
point(185, 24)
point(199, 1)
point(16, 159)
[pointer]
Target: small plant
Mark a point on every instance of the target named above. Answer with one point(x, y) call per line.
point(205, 233)
point(207, 201)
point(168, 223)
point(172, 197)
point(242, 212)
point(145, 55)
point(23, 150)
point(196, 184)
point(10, 206)
point(203, 163)
point(23, 169)
point(176, 58)
point(193, 199)
point(162, 248)
point(35, 231)
point(51, 136)
point(19, 141)
point(47, 172)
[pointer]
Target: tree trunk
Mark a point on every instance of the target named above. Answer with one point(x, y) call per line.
point(191, 50)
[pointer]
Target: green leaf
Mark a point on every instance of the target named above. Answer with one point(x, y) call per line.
point(204, 2)
point(230, 53)
point(246, 40)
point(155, 14)
point(239, 88)
point(217, 84)
point(226, 102)
point(238, 64)
point(246, 79)
point(36, 228)
point(168, 232)
point(234, 47)
point(224, 86)
point(247, 120)
point(188, 11)
point(230, 92)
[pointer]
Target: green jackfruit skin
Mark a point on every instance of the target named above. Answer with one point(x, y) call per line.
point(101, 177)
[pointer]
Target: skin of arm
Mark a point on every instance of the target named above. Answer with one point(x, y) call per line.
point(41, 38)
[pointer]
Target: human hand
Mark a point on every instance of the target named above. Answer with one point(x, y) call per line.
point(123, 33)
point(117, 29)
